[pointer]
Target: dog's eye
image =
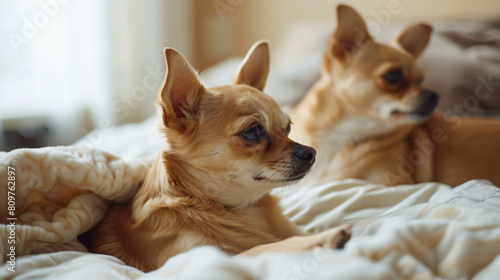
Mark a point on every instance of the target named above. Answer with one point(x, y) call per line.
point(253, 134)
point(288, 128)
point(394, 77)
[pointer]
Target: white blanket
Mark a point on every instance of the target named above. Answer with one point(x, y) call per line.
point(59, 193)
point(407, 232)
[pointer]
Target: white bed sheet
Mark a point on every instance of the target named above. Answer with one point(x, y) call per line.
point(425, 231)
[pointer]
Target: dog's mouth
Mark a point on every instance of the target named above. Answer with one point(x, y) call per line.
point(301, 162)
point(289, 179)
point(424, 108)
point(420, 112)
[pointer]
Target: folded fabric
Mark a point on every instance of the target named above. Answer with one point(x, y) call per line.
point(60, 192)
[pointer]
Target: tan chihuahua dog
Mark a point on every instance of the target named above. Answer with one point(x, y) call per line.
point(226, 148)
point(370, 119)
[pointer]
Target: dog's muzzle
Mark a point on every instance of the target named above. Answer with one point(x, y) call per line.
point(431, 98)
point(303, 158)
point(429, 102)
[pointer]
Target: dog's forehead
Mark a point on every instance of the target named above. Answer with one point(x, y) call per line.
point(376, 53)
point(390, 57)
point(263, 105)
point(249, 101)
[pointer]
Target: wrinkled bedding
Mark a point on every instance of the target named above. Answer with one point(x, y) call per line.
point(407, 232)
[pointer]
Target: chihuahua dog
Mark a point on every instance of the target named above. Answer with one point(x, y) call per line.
point(369, 118)
point(226, 148)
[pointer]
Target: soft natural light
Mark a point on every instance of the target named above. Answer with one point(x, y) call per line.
point(72, 66)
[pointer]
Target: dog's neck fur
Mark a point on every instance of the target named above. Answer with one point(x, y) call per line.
point(171, 178)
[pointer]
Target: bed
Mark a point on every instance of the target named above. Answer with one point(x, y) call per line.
point(423, 231)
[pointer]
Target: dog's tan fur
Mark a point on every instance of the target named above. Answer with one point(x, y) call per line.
point(368, 128)
point(209, 185)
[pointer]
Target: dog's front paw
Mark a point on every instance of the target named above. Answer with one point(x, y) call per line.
point(336, 237)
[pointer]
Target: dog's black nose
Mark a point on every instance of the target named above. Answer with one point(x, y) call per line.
point(430, 96)
point(304, 154)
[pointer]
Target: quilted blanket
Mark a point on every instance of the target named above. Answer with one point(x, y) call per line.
point(425, 231)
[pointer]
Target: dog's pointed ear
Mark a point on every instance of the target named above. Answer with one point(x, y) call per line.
point(351, 33)
point(181, 91)
point(414, 38)
point(254, 69)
